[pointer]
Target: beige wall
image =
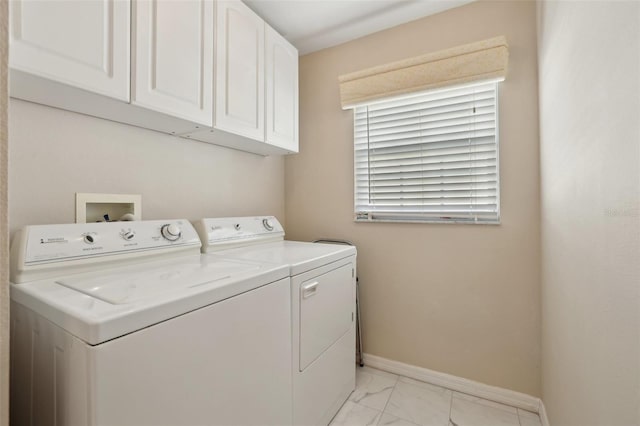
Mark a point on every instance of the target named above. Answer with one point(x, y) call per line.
point(589, 58)
point(56, 153)
point(461, 299)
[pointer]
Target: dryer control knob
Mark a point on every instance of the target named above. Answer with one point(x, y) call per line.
point(267, 224)
point(89, 239)
point(171, 232)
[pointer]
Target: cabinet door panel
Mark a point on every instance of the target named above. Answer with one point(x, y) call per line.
point(239, 70)
point(173, 65)
point(282, 91)
point(84, 44)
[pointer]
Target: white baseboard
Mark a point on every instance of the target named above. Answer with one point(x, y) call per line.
point(460, 384)
point(543, 414)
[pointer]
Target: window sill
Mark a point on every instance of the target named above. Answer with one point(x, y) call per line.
point(434, 221)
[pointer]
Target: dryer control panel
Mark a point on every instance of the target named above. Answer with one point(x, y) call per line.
point(61, 247)
point(229, 232)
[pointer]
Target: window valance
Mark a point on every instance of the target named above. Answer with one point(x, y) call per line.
point(483, 60)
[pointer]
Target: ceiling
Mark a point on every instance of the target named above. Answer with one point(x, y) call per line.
point(316, 24)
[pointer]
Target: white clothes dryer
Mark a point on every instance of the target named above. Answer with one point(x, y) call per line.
point(128, 324)
point(322, 307)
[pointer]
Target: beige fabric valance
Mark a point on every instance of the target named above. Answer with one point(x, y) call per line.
point(483, 60)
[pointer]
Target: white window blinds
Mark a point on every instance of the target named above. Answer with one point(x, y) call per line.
point(431, 156)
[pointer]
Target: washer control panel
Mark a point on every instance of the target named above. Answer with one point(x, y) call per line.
point(53, 243)
point(227, 232)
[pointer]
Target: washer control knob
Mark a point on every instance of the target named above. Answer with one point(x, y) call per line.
point(171, 232)
point(267, 224)
point(89, 239)
point(237, 226)
point(128, 235)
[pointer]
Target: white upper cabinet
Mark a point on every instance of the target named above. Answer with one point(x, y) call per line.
point(239, 81)
point(84, 44)
point(281, 75)
point(256, 85)
point(209, 70)
point(172, 68)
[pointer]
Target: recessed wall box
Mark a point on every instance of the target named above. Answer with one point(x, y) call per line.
point(99, 207)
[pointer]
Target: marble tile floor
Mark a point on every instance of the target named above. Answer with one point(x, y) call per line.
point(382, 398)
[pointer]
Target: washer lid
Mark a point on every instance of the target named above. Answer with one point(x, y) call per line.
point(135, 286)
point(101, 306)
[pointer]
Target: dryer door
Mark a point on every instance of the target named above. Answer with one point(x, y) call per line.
point(326, 312)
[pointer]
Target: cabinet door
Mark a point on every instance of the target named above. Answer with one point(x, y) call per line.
point(282, 91)
point(173, 58)
point(84, 44)
point(239, 87)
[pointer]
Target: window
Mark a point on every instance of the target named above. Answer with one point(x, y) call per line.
point(429, 157)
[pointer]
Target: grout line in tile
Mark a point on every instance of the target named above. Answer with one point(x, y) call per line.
point(485, 399)
point(453, 392)
point(389, 399)
point(384, 409)
point(450, 409)
point(527, 411)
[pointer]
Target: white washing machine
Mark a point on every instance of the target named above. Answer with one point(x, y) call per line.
point(128, 324)
point(322, 307)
